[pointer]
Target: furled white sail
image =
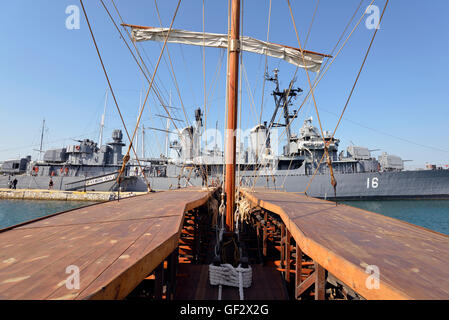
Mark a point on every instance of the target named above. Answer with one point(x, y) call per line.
point(312, 60)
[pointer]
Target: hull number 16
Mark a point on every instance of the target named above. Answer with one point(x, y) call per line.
point(374, 183)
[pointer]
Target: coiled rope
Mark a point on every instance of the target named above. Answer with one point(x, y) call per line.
point(225, 273)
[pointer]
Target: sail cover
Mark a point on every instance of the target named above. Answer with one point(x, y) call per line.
point(291, 55)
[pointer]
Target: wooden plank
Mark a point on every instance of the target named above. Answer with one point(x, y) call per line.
point(133, 265)
point(265, 237)
point(288, 255)
point(115, 245)
point(320, 282)
point(310, 280)
point(21, 245)
point(172, 267)
point(282, 245)
point(346, 240)
point(51, 281)
point(93, 265)
point(298, 269)
point(159, 281)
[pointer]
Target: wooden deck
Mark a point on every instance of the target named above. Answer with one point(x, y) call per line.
point(115, 245)
point(413, 261)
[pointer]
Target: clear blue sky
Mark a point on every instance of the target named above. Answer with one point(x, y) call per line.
point(48, 71)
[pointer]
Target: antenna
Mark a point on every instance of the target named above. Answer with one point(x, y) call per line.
point(42, 139)
point(42, 135)
point(100, 140)
point(137, 124)
point(166, 117)
point(216, 134)
point(143, 127)
point(143, 141)
point(163, 130)
point(167, 128)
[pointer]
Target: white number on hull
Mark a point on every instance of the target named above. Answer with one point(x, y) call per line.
point(374, 183)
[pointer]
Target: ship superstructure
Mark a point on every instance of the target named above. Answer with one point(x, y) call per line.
point(82, 166)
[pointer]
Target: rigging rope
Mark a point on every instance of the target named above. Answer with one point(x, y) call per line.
point(311, 23)
point(172, 70)
point(326, 68)
point(155, 90)
point(115, 101)
point(266, 64)
point(327, 64)
point(361, 68)
point(132, 53)
point(226, 97)
point(329, 162)
point(151, 84)
point(205, 99)
point(355, 83)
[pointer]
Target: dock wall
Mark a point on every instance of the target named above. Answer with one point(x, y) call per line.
point(41, 194)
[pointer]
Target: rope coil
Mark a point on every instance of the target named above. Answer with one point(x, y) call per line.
point(227, 275)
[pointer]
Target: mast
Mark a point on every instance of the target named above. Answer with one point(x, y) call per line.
point(167, 128)
point(137, 124)
point(143, 127)
point(282, 100)
point(42, 138)
point(216, 135)
point(143, 141)
point(231, 126)
point(100, 140)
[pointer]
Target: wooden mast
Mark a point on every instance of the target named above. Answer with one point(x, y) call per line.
point(234, 49)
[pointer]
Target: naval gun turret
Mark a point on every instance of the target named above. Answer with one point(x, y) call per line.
point(390, 162)
point(87, 152)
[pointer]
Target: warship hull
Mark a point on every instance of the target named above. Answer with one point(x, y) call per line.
point(375, 185)
point(422, 184)
point(71, 183)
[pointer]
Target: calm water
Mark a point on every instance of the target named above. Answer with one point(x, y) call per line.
point(431, 214)
point(17, 211)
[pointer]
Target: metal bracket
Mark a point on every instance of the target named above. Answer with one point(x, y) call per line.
point(234, 45)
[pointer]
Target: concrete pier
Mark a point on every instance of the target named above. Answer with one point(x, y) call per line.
point(42, 194)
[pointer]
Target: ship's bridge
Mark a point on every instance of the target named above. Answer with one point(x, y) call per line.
point(311, 143)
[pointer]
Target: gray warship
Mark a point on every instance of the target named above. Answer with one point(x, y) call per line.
point(85, 166)
point(359, 175)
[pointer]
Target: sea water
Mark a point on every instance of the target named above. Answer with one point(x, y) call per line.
point(13, 212)
point(431, 214)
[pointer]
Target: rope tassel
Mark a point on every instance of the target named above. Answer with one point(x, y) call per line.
point(331, 170)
